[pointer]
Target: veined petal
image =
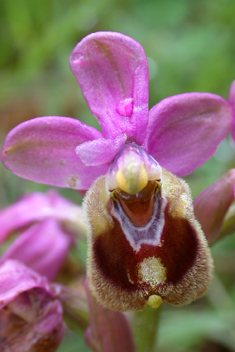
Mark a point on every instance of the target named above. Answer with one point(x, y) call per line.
point(43, 248)
point(185, 130)
point(109, 331)
point(112, 71)
point(100, 151)
point(211, 206)
point(43, 150)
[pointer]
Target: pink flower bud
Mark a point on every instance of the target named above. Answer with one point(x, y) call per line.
point(30, 314)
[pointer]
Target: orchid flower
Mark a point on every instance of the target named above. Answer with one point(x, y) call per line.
point(144, 242)
point(47, 224)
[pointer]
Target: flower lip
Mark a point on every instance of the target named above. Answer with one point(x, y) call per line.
point(132, 169)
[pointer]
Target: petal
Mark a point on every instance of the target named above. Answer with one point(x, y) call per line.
point(32, 207)
point(16, 278)
point(67, 212)
point(185, 130)
point(112, 71)
point(211, 206)
point(232, 102)
point(43, 248)
point(43, 150)
point(38, 206)
point(100, 151)
point(48, 330)
point(109, 331)
point(30, 322)
point(232, 94)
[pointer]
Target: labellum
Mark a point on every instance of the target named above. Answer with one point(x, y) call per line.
point(144, 242)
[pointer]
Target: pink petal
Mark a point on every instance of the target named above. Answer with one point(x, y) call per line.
point(30, 208)
point(66, 212)
point(109, 331)
point(185, 130)
point(36, 207)
point(232, 94)
point(232, 102)
point(43, 150)
point(43, 248)
point(16, 278)
point(52, 316)
point(100, 150)
point(112, 71)
point(33, 318)
point(211, 206)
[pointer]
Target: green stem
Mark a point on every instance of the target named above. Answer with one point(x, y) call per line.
point(145, 325)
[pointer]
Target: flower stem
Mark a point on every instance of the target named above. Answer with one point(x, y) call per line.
point(145, 325)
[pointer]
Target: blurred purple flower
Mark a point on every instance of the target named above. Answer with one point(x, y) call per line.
point(30, 313)
point(212, 205)
point(181, 132)
point(46, 224)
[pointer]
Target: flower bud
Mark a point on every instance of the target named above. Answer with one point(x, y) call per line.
point(144, 247)
point(30, 314)
point(212, 207)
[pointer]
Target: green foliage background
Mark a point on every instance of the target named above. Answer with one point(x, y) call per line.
point(190, 46)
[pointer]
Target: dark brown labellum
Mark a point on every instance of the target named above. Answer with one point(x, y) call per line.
point(147, 247)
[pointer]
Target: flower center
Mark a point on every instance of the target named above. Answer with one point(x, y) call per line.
point(138, 207)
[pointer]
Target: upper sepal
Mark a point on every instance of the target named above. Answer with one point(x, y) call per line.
point(112, 71)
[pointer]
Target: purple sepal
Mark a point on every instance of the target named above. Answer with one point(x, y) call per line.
point(43, 150)
point(211, 206)
point(112, 71)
